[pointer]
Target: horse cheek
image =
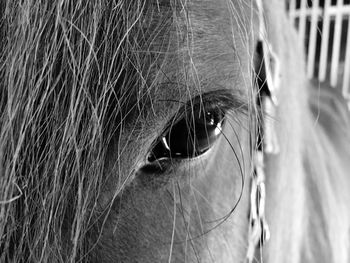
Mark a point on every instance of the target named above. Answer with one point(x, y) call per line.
point(199, 212)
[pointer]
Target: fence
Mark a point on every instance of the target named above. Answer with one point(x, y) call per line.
point(324, 28)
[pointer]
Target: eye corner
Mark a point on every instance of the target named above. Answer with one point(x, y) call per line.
point(154, 167)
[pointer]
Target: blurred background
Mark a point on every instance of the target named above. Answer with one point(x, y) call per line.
point(324, 29)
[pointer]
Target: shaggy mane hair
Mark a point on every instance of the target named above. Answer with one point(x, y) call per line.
point(62, 66)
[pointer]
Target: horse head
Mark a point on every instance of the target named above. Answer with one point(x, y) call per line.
point(165, 130)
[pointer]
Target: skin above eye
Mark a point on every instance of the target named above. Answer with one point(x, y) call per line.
point(195, 128)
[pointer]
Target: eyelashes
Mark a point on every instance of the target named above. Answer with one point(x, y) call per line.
point(190, 135)
point(193, 130)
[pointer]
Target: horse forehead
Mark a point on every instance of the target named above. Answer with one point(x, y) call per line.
point(217, 25)
point(212, 43)
point(211, 38)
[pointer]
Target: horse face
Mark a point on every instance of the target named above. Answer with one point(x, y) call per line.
point(177, 171)
point(127, 129)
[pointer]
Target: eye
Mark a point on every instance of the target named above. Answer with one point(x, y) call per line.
point(191, 135)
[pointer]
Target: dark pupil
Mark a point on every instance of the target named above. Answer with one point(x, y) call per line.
point(189, 137)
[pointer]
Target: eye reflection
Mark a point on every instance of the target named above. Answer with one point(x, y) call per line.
point(191, 136)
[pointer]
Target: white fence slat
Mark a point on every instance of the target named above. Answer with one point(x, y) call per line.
point(334, 9)
point(324, 43)
point(308, 12)
point(302, 21)
point(313, 37)
point(336, 46)
point(332, 68)
point(346, 79)
point(292, 9)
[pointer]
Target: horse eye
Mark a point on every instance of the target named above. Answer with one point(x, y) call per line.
point(190, 136)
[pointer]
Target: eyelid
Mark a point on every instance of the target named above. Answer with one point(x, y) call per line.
point(218, 104)
point(161, 168)
point(224, 100)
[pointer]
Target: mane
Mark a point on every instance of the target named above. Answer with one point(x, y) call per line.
point(62, 65)
point(326, 164)
point(310, 219)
